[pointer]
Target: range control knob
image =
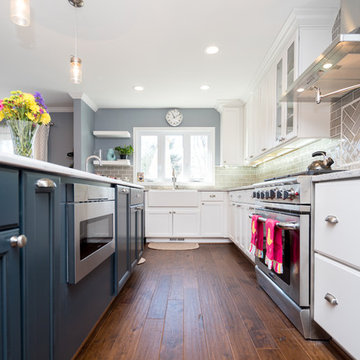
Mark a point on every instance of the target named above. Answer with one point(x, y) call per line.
point(272, 194)
point(285, 194)
point(278, 194)
point(254, 194)
point(293, 194)
point(267, 194)
point(258, 195)
point(262, 195)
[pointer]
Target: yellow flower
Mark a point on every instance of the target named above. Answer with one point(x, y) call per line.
point(34, 108)
point(45, 118)
point(30, 116)
point(29, 98)
point(1, 115)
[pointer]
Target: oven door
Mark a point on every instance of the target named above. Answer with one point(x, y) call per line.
point(91, 237)
point(295, 279)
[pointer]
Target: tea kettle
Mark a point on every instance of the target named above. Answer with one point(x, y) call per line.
point(324, 164)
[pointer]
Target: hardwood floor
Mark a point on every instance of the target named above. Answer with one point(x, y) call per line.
point(199, 304)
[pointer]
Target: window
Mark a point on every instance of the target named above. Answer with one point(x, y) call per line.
point(189, 151)
point(5, 140)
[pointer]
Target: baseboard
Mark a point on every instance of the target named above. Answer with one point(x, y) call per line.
point(198, 240)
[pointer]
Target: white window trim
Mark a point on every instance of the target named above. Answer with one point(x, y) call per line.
point(165, 130)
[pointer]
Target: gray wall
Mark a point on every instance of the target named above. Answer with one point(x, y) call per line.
point(127, 119)
point(84, 121)
point(61, 138)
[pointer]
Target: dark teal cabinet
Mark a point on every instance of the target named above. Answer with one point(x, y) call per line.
point(40, 223)
point(140, 231)
point(10, 307)
point(122, 254)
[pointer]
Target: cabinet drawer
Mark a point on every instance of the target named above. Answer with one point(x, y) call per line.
point(339, 240)
point(213, 196)
point(340, 321)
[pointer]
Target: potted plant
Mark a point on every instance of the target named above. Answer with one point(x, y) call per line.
point(124, 151)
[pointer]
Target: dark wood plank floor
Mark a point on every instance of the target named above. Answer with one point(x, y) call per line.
point(199, 304)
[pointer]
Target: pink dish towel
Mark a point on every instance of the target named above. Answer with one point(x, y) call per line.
point(257, 233)
point(274, 250)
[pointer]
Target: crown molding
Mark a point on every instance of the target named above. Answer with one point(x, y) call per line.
point(85, 99)
point(221, 104)
point(60, 109)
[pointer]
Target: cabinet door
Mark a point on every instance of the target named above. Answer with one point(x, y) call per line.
point(10, 307)
point(158, 222)
point(122, 248)
point(139, 232)
point(40, 223)
point(246, 230)
point(186, 222)
point(212, 219)
point(232, 132)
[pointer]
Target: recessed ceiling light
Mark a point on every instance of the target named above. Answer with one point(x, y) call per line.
point(327, 66)
point(212, 50)
point(138, 88)
point(300, 90)
point(204, 87)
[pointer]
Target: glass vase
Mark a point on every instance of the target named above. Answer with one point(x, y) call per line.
point(23, 135)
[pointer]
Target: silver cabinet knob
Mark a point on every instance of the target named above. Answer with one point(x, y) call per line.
point(18, 241)
point(212, 196)
point(45, 184)
point(331, 299)
point(332, 219)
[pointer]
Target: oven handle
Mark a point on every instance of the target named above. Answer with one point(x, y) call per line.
point(280, 225)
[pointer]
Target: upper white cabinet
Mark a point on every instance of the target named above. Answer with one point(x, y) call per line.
point(232, 135)
point(270, 123)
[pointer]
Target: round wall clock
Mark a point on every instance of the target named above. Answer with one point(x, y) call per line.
point(174, 117)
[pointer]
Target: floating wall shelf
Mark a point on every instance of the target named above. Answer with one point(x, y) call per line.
point(111, 134)
point(120, 162)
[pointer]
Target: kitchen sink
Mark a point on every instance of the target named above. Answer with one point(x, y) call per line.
point(171, 198)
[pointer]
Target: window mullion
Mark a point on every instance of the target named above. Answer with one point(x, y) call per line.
point(161, 157)
point(187, 156)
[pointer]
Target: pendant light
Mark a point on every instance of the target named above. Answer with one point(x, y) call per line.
point(75, 61)
point(20, 12)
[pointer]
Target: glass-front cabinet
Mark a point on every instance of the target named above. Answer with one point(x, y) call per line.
point(285, 112)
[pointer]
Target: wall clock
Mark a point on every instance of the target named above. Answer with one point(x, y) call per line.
point(174, 117)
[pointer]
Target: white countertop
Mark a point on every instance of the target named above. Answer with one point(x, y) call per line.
point(43, 166)
point(340, 175)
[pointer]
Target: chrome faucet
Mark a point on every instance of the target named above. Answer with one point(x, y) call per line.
point(89, 158)
point(173, 179)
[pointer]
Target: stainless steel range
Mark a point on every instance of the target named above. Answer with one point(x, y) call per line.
point(288, 200)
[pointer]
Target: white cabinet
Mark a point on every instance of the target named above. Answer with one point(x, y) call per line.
point(158, 222)
point(186, 222)
point(340, 283)
point(172, 222)
point(212, 219)
point(232, 135)
point(270, 123)
point(337, 264)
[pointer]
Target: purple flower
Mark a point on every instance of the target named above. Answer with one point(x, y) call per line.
point(40, 100)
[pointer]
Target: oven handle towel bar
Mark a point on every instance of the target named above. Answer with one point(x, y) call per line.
point(280, 225)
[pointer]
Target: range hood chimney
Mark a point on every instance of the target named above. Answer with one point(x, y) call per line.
point(350, 17)
point(321, 82)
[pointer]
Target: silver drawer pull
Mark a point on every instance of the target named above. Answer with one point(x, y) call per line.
point(332, 219)
point(331, 299)
point(45, 183)
point(212, 196)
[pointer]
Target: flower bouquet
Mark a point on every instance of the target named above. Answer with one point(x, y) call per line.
point(23, 113)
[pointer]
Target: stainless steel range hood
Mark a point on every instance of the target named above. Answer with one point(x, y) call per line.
point(337, 70)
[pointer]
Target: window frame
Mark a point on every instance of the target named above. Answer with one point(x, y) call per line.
point(161, 132)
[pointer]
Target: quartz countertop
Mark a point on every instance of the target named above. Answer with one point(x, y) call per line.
point(203, 189)
point(340, 175)
point(43, 166)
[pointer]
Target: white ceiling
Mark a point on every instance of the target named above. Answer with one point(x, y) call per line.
point(158, 44)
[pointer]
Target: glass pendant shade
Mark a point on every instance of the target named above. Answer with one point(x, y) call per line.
point(20, 12)
point(75, 70)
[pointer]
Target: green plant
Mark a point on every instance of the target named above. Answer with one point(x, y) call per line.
point(124, 150)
